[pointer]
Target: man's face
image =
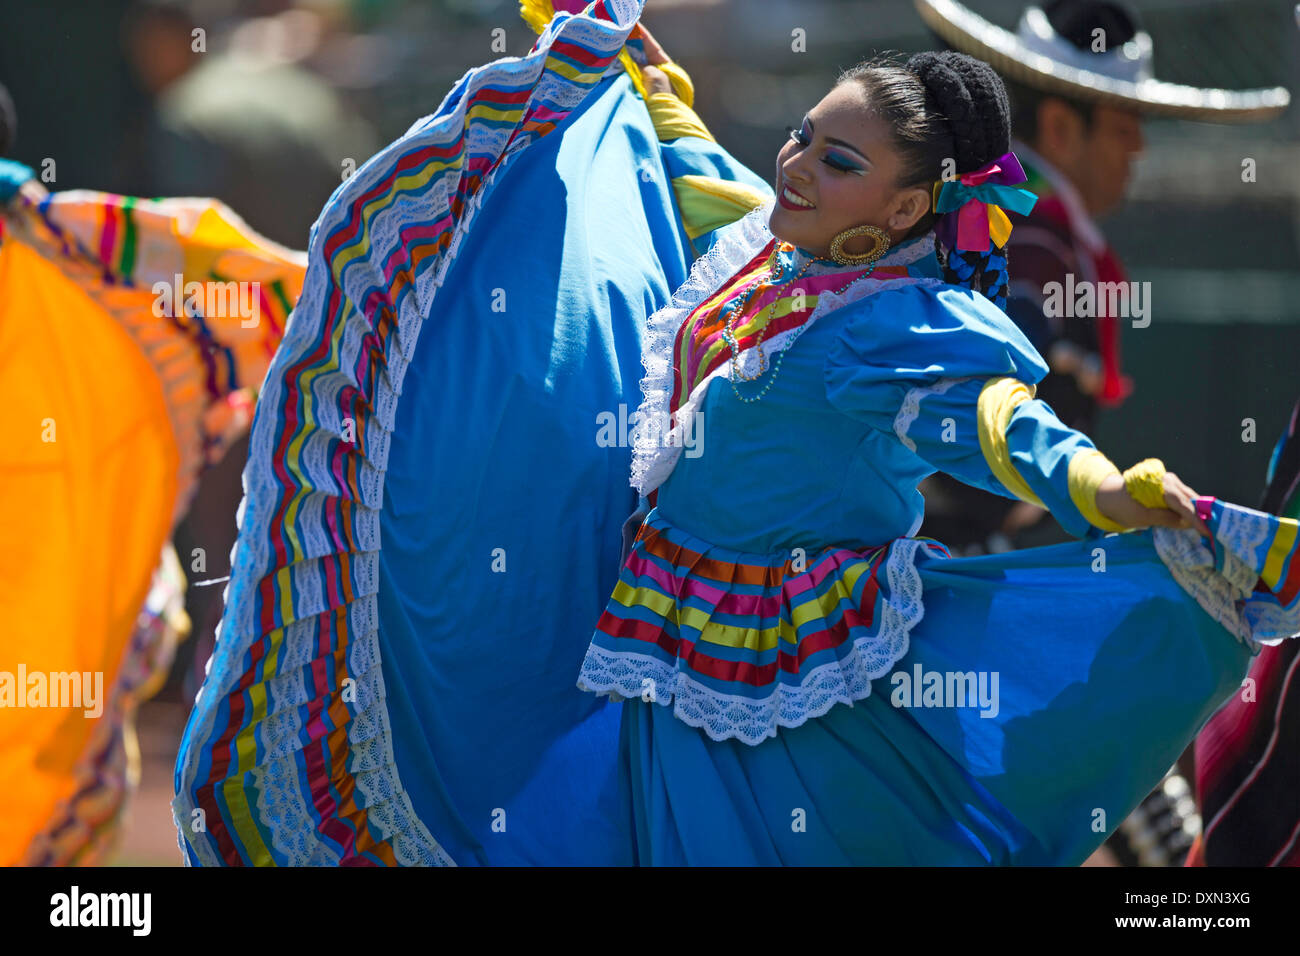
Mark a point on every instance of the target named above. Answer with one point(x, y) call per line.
point(1104, 157)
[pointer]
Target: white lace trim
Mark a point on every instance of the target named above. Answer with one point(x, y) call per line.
point(1225, 594)
point(656, 450)
point(379, 789)
point(1244, 534)
point(741, 242)
point(750, 720)
point(1191, 563)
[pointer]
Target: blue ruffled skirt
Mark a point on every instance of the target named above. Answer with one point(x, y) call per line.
point(1088, 685)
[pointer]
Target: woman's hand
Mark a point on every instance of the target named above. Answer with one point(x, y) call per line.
point(654, 53)
point(656, 79)
point(1114, 501)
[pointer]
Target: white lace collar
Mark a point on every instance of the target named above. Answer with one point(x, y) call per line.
point(659, 438)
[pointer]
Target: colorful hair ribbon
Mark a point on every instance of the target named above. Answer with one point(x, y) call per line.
point(978, 197)
point(12, 176)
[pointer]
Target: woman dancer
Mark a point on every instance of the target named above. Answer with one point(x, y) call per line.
point(1035, 697)
point(167, 312)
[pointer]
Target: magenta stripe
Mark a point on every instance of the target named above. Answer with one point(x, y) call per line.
point(667, 583)
point(410, 234)
point(719, 599)
point(544, 114)
point(652, 577)
point(640, 564)
point(821, 570)
point(811, 288)
point(695, 349)
point(478, 165)
point(109, 235)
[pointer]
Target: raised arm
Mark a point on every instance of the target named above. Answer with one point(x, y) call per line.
point(712, 189)
point(994, 434)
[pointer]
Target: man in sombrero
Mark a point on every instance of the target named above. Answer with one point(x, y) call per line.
point(1080, 80)
point(1079, 76)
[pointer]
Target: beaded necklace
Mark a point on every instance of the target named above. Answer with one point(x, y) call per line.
point(729, 335)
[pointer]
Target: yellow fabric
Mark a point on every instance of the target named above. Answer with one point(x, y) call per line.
point(681, 81)
point(222, 244)
point(537, 13)
point(999, 226)
point(1276, 561)
point(1088, 469)
point(707, 203)
point(1145, 482)
point(999, 223)
point(997, 403)
point(673, 119)
point(201, 240)
point(86, 515)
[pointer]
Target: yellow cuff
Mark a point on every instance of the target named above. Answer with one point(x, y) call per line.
point(997, 403)
point(1088, 469)
point(1145, 482)
point(707, 203)
point(673, 118)
point(680, 80)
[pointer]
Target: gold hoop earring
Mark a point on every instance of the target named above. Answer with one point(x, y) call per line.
point(866, 258)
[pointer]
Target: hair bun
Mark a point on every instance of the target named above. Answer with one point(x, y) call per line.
point(974, 100)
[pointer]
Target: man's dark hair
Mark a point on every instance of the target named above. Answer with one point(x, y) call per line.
point(1025, 101)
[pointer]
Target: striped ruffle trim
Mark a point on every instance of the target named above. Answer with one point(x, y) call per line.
point(120, 249)
point(288, 755)
point(1247, 577)
point(740, 644)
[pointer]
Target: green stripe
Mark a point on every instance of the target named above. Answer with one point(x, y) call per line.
point(278, 288)
point(127, 263)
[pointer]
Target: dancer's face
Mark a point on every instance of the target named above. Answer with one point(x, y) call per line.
point(1097, 156)
point(841, 162)
point(1114, 142)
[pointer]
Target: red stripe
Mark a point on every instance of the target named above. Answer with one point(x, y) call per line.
point(1290, 585)
point(582, 54)
point(108, 238)
point(699, 660)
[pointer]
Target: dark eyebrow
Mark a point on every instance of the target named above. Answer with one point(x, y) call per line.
point(838, 142)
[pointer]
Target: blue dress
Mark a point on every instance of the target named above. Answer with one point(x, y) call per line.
point(439, 467)
point(429, 493)
point(804, 680)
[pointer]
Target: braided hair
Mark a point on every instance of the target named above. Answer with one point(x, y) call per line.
point(942, 109)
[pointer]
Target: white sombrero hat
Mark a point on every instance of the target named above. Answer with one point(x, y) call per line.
point(1039, 57)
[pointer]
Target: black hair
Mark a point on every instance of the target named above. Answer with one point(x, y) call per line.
point(943, 107)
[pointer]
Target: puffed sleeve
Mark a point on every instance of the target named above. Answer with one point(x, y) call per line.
point(952, 379)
